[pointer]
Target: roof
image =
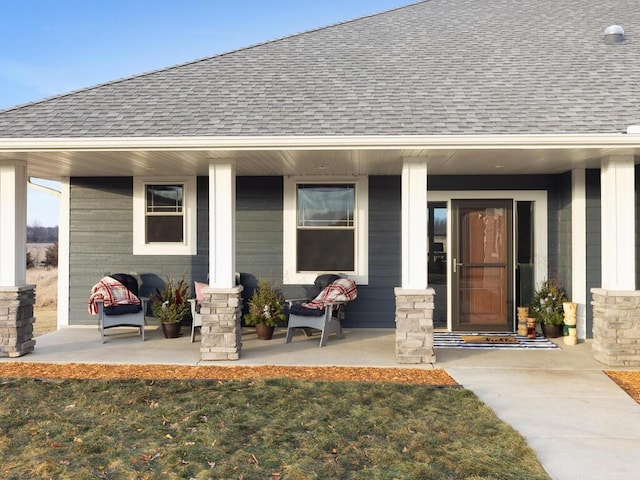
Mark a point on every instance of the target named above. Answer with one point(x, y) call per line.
point(438, 67)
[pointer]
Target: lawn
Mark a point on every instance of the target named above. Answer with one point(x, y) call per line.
point(253, 429)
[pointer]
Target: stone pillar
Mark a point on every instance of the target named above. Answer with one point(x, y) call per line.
point(616, 327)
point(221, 331)
point(414, 325)
point(16, 320)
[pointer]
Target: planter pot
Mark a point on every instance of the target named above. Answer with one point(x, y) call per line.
point(171, 329)
point(552, 331)
point(264, 332)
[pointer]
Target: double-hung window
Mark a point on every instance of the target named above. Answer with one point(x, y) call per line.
point(325, 229)
point(164, 216)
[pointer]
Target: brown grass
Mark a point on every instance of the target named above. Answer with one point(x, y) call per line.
point(46, 282)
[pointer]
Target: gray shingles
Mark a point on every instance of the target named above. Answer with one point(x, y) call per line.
point(436, 67)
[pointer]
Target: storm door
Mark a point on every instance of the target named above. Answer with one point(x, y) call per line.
point(482, 265)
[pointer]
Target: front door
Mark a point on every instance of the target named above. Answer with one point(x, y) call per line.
point(482, 265)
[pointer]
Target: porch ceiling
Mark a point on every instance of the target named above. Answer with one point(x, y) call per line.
point(55, 159)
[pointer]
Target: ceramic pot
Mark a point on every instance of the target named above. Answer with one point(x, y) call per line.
point(264, 332)
point(171, 329)
point(552, 331)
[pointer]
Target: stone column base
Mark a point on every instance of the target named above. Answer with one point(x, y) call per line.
point(16, 320)
point(414, 326)
point(616, 327)
point(221, 312)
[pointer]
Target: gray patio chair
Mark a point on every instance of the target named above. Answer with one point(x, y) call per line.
point(325, 312)
point(123, 315)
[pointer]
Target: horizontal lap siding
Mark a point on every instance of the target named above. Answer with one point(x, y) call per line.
point(101, 241)
point(375, 305)
point(594, 241)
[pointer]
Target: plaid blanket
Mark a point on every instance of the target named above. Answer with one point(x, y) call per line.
point(112, 292)
point(342, 290)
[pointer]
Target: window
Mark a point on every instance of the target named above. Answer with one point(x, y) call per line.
point(325, 229)
point(164, 216)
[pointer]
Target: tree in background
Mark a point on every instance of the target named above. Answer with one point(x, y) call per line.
point(51, 256)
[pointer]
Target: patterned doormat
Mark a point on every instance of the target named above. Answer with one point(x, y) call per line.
point(456, 340)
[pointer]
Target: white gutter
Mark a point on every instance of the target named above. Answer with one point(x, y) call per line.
point(461, 142)
point(42, 188)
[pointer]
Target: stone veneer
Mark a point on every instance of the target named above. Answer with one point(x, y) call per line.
point(221, 331)
point(16, 320)
point(616, 327)
point(414, 326)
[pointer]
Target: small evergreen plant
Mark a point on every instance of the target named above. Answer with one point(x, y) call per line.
point(265, 306)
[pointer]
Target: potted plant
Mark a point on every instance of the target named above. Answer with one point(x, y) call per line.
point(546, 307)
point(265, 310)
point(171, 305)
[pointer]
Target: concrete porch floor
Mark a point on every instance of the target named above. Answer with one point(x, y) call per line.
point(360, 347)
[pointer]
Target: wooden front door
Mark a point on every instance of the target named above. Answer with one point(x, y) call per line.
point(482, 265)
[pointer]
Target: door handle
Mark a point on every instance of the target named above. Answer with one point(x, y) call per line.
point(456, 265)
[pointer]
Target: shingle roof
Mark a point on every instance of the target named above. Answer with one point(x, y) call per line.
point(435, 67)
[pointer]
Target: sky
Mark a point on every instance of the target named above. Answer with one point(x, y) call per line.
point(50, 47)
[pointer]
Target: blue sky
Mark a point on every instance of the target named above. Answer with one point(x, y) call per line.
point(50, 47)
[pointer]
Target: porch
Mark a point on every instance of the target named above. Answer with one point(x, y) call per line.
point(360, 347)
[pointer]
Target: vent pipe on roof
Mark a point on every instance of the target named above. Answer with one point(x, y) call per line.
point(613, 35)
point(633, 129)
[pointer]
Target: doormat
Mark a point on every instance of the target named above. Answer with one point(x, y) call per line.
point(489, 341)
point(494, 339)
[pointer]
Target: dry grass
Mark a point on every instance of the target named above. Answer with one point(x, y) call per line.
point(253, 429)
point(46, 282)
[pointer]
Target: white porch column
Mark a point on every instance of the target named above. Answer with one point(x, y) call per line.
point(13, 223)
point(16, 298)
point(618, 223)
point(579, 247)
point(222, 224)
point(222, 306)
point(414, 224)
point(414, 300)
point(616, 306)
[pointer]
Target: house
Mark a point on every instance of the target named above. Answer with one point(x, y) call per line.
point(448, 156)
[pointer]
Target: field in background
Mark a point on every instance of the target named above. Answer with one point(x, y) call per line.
point(46, 282)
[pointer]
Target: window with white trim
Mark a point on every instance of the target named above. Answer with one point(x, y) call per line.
point(325, 229)
point(164, 216)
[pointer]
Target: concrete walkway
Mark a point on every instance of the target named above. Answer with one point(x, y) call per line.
point(578, 421)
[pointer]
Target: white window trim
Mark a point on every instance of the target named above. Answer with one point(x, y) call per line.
point(361, 272)
point(189, 246)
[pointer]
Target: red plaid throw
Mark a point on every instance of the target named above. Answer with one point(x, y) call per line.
point(342, 290)
point(112, 292)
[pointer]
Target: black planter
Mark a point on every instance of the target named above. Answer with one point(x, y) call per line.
point(171, 329)
point(551, 331)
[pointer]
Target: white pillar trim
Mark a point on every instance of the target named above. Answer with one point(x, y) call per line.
point(618, 223)
point(414, 224)
point(64, 252)
point(579, 247)
point(13, 223)
point(222, 224)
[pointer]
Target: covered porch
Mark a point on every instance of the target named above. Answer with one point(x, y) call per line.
point(223, 161)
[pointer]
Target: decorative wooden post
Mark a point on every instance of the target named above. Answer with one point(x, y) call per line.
point(570, 321)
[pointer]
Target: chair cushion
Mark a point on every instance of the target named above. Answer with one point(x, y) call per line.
point(128, 281)
point(320, 283)
point(297, 309)
point(199, 293)
point(122, 309)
